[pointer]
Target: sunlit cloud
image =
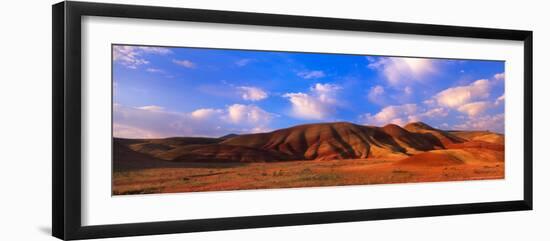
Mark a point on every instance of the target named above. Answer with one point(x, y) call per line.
point(403, 114)
point(487, 122)
point(438, 112)
point(318, 104)
point(185, 63)
point(133, 56)
point(251, 114)
point(475, 108)
point(499, 100)
point(394, 114)
point(499, 76)
point(151, 108)
point(252, 93)
point(156, 122)
point(401, 70)
point(457, 96)
point(376, 95)
point(206, 113)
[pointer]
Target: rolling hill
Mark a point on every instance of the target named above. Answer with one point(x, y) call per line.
point(325, 141)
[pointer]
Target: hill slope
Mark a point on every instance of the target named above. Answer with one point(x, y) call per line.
point(325, 141)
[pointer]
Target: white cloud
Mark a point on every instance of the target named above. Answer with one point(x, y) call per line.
point(154, 70)
point(457, 96)
point(136, 122)
point(429, 102)
point(383, 96)
point(471, 100)
point(395, 114)
point(402, 70)
point(305, 106)
point(151, 108)
point(377, 90)
point(185, 63)
point(156, 122)
point(314, 74)
point(243, 62)
point(403, 114)
point(435, 113)
point(375, 93)
point(326, 92)
point(252, 93)
point(132, 56)
point(487, 122)
point(316, 105)
point(499, 100)
point(125, 131)
point(205, 113)
point(475, 108)
point(155, 50)
point(499, 76)
point(251, 114)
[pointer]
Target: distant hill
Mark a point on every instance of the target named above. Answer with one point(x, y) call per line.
point(324, 141)
point(228, 136)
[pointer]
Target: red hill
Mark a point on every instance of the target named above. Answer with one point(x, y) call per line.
point(325, 141)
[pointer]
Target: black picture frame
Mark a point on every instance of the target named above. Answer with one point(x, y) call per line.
point(66, 169)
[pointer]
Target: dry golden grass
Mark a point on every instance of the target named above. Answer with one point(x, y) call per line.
point(290, 174)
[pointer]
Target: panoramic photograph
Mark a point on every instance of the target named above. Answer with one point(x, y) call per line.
point(187, 119)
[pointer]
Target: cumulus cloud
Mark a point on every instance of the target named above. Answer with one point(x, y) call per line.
point(499, 100)
point(395, 114)
point(435, 113)
point(488, 122)
point(382, 96)
point(154, 50)
point(318, 104)
point(469, 105)
point(457, 96)
point(402, 70)
point(376, 94)
point(133, 56)
point(156, 122)
point(499, 76)
point(429, 102)
point(326, 92)
point(403, 114)
point(252, 93)
point(251, 114)
point(475, 108)
point(314, 74)
point(138, 122)
point(185, 63)
point(305, 106)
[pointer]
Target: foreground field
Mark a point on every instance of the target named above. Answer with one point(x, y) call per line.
point(214, 177)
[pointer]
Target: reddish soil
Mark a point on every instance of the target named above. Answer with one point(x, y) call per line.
point(328, 154)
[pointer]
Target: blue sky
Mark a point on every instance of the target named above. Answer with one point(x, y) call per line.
point(162, 92)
